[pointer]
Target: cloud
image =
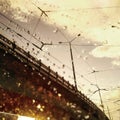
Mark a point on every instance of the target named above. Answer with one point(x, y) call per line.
point(116, 62)
point(109, 39)
point(106, 51)
point(112, 95)
point(22, 5)
point(80, 21)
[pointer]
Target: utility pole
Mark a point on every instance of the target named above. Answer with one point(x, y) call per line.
point(72, 59)
point(99, 91)
point(43, 12)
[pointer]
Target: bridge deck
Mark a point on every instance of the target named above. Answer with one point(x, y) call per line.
point(51, 78)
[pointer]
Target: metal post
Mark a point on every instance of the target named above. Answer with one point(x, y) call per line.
point(98, 90)
point(73, 67)
point(100, 98)
point(72, 60)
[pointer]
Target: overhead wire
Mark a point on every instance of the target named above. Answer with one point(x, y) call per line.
point(33, 43)
point(63, 35)
point(19, 26)
point(84, 8)
point(88, 45)
point(76, 44)
point(89, 67)
point(68, 39)
point(91, 45)
point(104, 70)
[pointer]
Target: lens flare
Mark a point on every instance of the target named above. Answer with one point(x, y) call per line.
point(25, 118)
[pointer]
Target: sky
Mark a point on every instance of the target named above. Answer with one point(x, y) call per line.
point(96, 51)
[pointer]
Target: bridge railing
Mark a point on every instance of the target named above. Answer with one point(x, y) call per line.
point(37, 64)
point(25, 57)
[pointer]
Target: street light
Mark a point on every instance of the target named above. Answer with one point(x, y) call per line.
point(98, 90)
point(43, 12)
point(42, 45)
point(72, 59)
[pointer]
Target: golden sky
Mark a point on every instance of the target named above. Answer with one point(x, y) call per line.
point(98, 21)
point(81, 15)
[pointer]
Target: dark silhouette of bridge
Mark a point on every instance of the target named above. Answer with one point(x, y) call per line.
point(28, 87)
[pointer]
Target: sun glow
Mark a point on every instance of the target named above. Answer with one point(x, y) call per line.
point(25, 118)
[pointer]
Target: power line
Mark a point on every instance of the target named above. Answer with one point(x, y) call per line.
point(72, 44)
point(71, 55)
point(42, 43)
point(42, 13)
point(69, 42)
point(75, 44)
point(52, 44)
point(40, 48)
point(104, 70)
point(19, 26)
point(99, 91)
point(83, 59)
point(78, 9)
point(91, 45)
point(94, 8)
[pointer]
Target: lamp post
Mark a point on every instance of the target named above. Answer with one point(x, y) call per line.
point(43, 12)
point(99, 91)
point(72, 59)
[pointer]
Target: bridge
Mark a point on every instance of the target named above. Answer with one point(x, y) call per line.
point(30, 88)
